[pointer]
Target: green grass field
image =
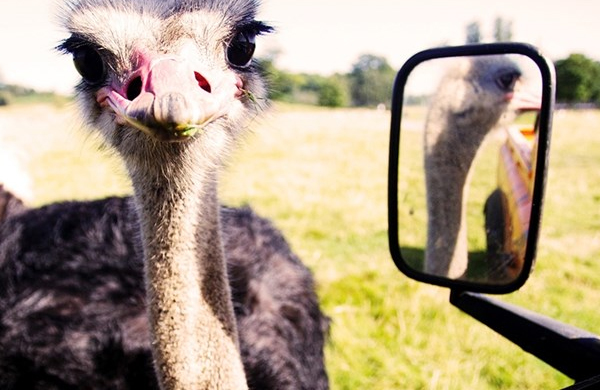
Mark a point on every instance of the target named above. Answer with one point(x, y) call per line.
point(321, 175)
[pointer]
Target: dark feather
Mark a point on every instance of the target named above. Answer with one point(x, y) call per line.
point(72, 301)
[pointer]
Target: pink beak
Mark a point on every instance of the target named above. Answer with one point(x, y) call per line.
point(523, 100)
point(169, 98)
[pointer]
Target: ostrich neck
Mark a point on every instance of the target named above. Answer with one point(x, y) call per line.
point(194, 333)
point(449, 153)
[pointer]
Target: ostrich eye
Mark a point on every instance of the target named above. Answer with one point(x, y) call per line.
point(506, 81)
point(89, 64)
point(241, 49)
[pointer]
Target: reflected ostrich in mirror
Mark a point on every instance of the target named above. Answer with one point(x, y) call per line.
point(166, 289)
point(476, 95)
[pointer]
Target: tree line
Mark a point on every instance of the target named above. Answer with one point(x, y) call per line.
point(578, 80)
point(11, 94)
point(8, 93)
point(368, 84)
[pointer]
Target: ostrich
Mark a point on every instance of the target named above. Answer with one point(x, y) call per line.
point(10, 204)
point(166, 289)
point(15, 183)
point(473, 97)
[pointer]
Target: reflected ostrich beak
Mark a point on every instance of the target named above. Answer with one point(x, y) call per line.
point(523, 100)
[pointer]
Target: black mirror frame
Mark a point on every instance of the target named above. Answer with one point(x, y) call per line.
point(545, 123)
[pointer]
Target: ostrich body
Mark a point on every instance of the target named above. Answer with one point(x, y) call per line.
point(75, 313)
point(475, 96)
point(168, 85)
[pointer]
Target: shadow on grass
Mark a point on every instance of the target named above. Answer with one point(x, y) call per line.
point(478, 267)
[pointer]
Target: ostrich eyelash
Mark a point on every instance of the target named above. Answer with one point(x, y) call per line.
point(254, 27)
point(74, 43)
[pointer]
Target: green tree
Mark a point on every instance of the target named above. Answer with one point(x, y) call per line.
point(5, 95)
point(333, 92)
point(473, 33)
point(502, 30)
point(577, 80)
point(371, 81)
point(279, 83)
point(4, 98)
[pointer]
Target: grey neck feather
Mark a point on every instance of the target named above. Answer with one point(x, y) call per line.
point(195, 342)
point(449, 153)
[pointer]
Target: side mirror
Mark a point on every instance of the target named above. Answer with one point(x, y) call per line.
point(469, 143)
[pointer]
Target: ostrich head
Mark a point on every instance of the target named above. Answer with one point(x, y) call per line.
point(156, 71)
point(478, 93)
point(473, 97)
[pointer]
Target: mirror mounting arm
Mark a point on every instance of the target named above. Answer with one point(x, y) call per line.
point(572, 351)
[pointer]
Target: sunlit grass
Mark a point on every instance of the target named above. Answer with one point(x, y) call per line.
point(321, 175)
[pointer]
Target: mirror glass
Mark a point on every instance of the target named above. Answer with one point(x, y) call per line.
point(468, 146)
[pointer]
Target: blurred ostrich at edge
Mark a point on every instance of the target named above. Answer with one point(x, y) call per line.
point(166, 289)
point(15, 182)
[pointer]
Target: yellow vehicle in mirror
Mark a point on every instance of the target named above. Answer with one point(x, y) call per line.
point(508, 208)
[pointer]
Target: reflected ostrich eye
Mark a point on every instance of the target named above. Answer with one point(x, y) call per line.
point(506, 81)
point(241, 49)
point(89, 64)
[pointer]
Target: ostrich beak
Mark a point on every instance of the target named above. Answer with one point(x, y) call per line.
point(524, 100)
point(170, 99)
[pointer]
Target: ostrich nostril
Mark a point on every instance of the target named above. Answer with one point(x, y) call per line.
point(202, 82)
point(134, 89)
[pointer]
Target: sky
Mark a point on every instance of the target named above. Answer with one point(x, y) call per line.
point(325, 36)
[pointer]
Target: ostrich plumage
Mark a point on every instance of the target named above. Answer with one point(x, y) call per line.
point(141, 292)
point(73, 304)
